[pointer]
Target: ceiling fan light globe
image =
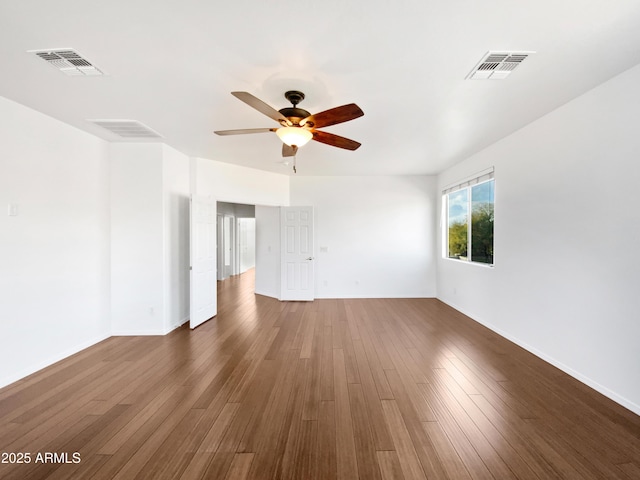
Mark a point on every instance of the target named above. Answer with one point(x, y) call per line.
point(297, 136)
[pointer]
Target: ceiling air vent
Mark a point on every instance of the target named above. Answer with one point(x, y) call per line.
point(68, 61)
point(497, 65)
point(127, 128)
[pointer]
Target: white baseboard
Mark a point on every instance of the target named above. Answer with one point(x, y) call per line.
point(25, 372)
point(177, 325)
point(619, 399)
point(352, 297)
point(137, 333)
point(266, 293)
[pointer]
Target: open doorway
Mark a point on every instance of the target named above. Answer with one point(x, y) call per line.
point(252, 240)
point(236, 239)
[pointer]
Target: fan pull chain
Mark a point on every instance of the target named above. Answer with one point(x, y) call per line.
point(294, 163)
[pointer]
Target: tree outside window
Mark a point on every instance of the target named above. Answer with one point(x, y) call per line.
point(470, 219)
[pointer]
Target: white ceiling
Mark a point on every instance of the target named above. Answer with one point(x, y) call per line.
point(172, 65)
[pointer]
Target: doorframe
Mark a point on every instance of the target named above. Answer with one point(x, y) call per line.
point(218, 263)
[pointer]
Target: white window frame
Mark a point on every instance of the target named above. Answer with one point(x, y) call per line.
point(467, 183)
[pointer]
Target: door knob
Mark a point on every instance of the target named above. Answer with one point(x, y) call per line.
point(310, 258)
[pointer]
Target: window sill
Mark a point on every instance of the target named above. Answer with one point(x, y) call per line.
point(466, 262)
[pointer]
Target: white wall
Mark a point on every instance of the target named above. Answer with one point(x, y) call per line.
point(268, 251)
point(379, 233)
point(247, 243)
point(137, 234)
point(176, 194)
point(54, 255)
point(149, 238)
point(567, 229)
point(235, 184)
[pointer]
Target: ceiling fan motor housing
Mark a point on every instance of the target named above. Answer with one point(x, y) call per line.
point(294, 113)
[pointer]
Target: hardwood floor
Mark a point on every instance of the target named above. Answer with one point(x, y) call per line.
point(370, 389)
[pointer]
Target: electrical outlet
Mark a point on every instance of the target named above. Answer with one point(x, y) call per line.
point(12, 209)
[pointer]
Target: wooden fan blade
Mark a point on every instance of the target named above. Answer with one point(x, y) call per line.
point(335, 140)
point(333, 116)
point(262, 107)
point(288, 151)
point(244, 130)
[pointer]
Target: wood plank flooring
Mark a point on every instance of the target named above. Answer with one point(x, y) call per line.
point(332, 389)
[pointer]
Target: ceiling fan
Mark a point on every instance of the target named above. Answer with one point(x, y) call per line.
point(299, 126)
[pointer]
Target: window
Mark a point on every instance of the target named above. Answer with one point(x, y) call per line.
point(469, 215)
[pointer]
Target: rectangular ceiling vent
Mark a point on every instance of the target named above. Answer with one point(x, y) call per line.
point(497, 65)
point(68, 61)
point(127, 128)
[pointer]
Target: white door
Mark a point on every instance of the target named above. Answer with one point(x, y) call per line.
point(204, 301)
point(297, 259)
point(220, 247)
point(227, 238)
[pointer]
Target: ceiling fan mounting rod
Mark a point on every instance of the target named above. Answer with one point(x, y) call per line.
point(294, 97)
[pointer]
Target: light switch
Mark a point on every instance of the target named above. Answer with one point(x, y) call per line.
point(324, 249)
point(12, 209)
